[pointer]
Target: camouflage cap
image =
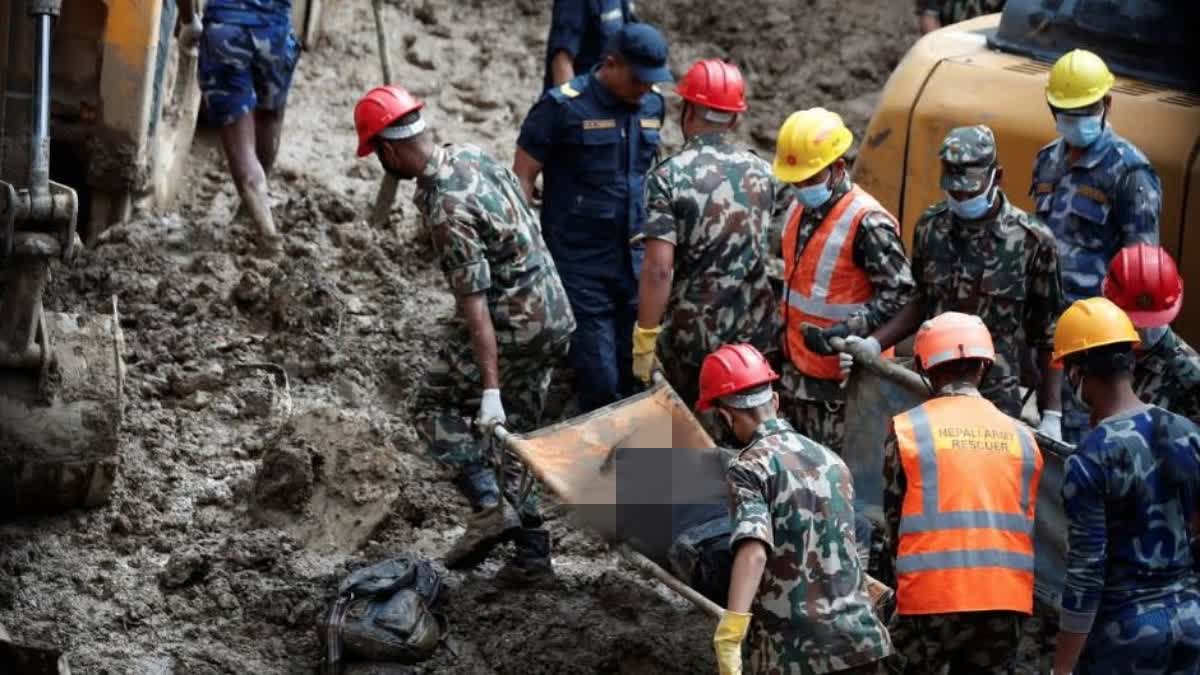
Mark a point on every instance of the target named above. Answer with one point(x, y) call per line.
point(968, 156)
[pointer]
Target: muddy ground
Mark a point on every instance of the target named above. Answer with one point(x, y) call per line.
point(242, 502)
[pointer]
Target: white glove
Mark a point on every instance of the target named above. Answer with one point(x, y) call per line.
point(846, 359)
point(1051, 424)
point(491, 410)
point(189, 35)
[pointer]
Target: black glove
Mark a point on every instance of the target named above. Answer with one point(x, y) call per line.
point(817, 340)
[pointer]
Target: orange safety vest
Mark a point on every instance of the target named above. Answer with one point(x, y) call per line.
point(966, 523)
point(823, 285)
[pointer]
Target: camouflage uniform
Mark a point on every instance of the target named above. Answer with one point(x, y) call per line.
point(714, 202)
point(953, 11)
point(247, 56)
point(1168, 376)
point(1133, 581)
point(488, 240)
point(1003, 268)
point(1108, 199)
point(816, 406)
point(967, 642)
point(812, 613)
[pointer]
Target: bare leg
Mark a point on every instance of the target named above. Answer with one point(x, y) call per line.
point(268, 125)
point(237, 139)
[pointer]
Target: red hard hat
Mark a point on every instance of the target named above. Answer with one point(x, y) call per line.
point(378, 109)
point(714, 84)
point(729, 370)
point(1143, 280)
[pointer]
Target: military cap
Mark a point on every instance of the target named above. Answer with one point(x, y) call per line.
point(968, 157)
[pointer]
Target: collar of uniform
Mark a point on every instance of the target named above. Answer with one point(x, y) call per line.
point(1002, 223)
point(1158, 357)
point(429, 173)
point(707, 138)
point(1096, 151)
point(768, 427)
point(959, 389)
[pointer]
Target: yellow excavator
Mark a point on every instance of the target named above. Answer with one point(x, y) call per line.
point(993, 70)
point(98, 108)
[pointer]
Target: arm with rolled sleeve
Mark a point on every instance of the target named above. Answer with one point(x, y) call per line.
point(1083, 491)
point(568, 21)
point(880, 253)
point(1137, 207)
point(894, 486)
point(1044, 302)
point(535, 142)
point(751, 510)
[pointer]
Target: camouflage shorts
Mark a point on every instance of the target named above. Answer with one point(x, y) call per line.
point(246, 68)
point(966, 643)
point(1161, 637)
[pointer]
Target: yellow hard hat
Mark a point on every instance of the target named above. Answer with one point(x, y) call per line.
point(1078, 79)
point(1091, 323)
point(809, 141)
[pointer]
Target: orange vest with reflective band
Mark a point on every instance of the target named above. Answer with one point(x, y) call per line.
point(823, 285)
point(966, 524)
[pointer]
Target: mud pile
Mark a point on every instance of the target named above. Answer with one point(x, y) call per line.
point(267, 447)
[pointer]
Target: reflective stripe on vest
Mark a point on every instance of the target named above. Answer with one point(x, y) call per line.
point(954, 556)
point(817, 304)
point(823, 285)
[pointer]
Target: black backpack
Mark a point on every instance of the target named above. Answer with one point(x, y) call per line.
point(384, 613)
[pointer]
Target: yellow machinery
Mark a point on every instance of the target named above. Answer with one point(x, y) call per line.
point(993, 70)
point(98, 107)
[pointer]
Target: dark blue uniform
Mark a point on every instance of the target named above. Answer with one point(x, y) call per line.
point(595, 151)
point(582, 28)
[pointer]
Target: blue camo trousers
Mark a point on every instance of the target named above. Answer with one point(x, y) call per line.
point(1160, 640)
point(246, 68)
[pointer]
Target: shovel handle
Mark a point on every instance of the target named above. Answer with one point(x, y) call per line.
point(648, 566)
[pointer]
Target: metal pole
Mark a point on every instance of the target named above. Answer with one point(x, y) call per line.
point(39, 167)
point(387, 189)
point(692, 595)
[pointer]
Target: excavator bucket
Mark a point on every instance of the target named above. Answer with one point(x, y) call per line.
point(878, 390)
point(59, 425)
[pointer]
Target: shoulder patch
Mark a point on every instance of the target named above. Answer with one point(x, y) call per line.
point(568, 91)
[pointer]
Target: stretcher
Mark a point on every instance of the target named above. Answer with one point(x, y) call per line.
point(628, 470)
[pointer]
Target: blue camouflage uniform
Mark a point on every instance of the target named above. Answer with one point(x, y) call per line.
point(247, 56)
point(1133, 584)
point(582, 28)
point(595, 151)
point(1109, 199)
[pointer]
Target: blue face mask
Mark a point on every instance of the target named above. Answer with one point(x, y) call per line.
point(1150, 336)
point(976, 207)
point(813, 196)
point(1080, 131)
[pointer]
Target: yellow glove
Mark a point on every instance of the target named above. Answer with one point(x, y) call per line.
point(645, 341)
point(728, 642)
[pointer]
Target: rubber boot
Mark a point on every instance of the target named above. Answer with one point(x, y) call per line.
point(530, 565)
point(492, 521)
point(259, 206)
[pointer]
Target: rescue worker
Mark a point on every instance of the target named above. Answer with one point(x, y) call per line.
point(1095, 191)
point(933, 14)
point(977, 253)
point(513, 323)
point(845, 270)
point(1143, 281)
point(596, 137)
point(712, 204)
point(247, 56)
point(579, 30)
point(1131, 494)
point(960, 487)
point(797, 584)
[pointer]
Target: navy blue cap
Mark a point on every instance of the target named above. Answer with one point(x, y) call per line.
point(644, 49)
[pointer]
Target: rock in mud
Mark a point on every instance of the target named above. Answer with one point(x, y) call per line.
point(184, 567)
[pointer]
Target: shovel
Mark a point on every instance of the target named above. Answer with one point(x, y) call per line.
point(387, 189)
